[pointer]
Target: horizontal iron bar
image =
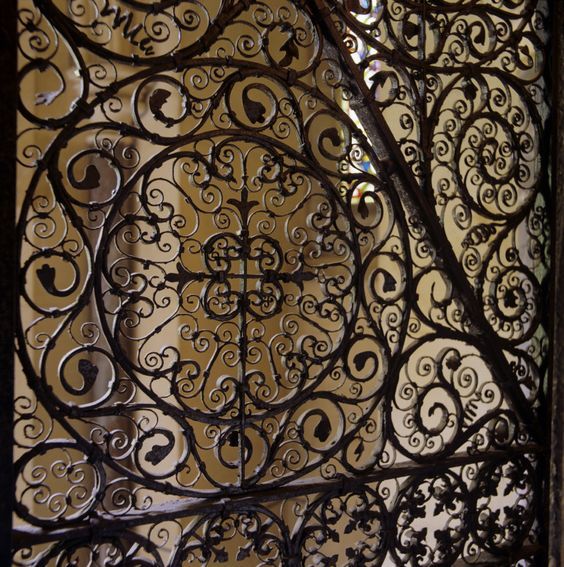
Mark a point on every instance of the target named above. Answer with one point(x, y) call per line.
point(525, 552)
point(205, 506)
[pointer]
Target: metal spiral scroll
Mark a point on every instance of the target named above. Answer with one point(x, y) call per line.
point(282, 272)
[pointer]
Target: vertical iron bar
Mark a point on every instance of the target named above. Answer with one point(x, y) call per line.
point(554, 492)
point(243, 339)
point(8, 293)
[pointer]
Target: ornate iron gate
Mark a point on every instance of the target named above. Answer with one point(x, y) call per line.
point(283, 268)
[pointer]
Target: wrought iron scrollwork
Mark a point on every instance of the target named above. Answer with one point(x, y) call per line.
point(282, 269)
point(479, 511)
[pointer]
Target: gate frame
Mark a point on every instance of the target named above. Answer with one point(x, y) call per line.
point(8, 269)
point(554, 476)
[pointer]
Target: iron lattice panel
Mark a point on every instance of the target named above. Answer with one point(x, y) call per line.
point(282, 278)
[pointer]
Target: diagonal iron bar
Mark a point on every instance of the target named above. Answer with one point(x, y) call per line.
point(406, 185)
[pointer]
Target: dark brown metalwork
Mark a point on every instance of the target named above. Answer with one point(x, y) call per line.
point(8, 293)
point(554, 501)
point(283, 269)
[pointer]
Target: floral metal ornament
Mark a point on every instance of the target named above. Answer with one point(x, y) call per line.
point(282, 278)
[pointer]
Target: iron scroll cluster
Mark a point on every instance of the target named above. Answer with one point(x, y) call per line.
point(282, 278)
